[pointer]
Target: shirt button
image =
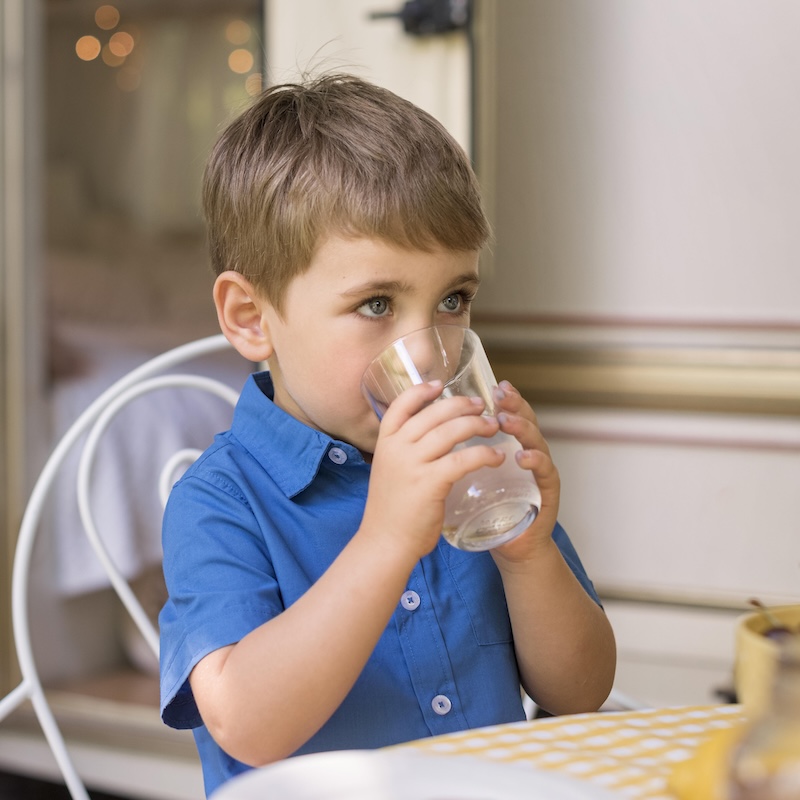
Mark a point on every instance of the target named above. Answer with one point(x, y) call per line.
point(337, 455)
point(410, 600)
point(441, 704)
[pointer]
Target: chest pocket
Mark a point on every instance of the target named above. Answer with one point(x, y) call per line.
point(480, 589)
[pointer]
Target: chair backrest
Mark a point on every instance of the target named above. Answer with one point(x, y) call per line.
point(85, 435)
point(87, 432)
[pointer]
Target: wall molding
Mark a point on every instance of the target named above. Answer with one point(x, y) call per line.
point(732, 368)
point(664, 428)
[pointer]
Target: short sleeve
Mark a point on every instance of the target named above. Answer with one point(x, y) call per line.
point(220, 580)
point(570, 555)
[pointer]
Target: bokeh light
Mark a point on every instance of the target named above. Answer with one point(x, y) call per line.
point(121, 44)
point(237, 31)
point(241, 61)
point(87, 48)
point(106, 17)
point(253, 84)
point(110, 58)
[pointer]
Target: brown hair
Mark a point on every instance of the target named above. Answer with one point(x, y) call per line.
point(340, 155)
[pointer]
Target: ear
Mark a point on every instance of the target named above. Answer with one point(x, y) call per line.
point(240, 311)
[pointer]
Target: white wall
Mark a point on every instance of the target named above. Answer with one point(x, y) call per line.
point(313, 36)
point(642, 165)
point(646, 162)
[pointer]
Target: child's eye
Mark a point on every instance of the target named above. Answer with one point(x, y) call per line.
point(455, 303)
point(375, 307)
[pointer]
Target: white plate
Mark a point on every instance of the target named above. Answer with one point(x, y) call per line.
point(402, 775)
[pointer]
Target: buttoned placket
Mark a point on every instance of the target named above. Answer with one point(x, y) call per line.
point(337, 455)
point(425, 653)
point(410, 600)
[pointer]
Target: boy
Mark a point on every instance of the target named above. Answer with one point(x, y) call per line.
point(313, 605)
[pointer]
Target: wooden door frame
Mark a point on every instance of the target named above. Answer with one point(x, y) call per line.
point(21, 313)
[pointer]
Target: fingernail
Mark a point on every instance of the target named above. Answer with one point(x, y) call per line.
point(436, 384)
point(506, 386)
point(519, 455)
point(499, 393)
point(478, 401)
point(502, 418)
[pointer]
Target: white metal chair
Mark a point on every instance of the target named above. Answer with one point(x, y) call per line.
point(90, 426)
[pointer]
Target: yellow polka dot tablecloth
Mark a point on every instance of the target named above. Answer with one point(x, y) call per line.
point(630, 753)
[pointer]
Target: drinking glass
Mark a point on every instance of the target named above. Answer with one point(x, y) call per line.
point(491, 505)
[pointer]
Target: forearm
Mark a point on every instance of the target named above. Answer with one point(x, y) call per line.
point(267, 695)
point(564, 642)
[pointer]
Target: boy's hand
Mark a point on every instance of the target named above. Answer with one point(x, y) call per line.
point(563, 641)
point(414, 466)
point(518, 419)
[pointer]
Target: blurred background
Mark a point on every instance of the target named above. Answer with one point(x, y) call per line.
point(640, 166)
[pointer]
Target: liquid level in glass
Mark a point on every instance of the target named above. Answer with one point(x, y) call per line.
point(492, 505)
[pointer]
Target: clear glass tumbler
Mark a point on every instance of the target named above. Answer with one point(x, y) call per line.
point(491, 505)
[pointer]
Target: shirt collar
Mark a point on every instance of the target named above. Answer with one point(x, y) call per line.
point(289, 450)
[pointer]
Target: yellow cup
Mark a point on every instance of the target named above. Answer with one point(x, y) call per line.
point(756, 655)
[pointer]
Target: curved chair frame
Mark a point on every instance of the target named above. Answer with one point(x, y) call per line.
point(94, 420)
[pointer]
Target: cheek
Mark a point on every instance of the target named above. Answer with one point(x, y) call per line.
point(348, 371)
point(335, 375)
point(352, 370)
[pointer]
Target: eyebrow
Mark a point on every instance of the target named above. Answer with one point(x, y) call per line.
point(375, 287)
point(396, 287)
point(468, 279)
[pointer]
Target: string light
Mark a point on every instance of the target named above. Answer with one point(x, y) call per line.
point(121, 44)
point(240, 61)
point(106, 17)
point(87, 48)
point(237, 31)
point(110, 58)
point(253, 84)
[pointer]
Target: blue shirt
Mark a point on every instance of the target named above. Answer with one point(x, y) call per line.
point(256, 521)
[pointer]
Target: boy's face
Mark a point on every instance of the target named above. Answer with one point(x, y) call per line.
point(357, 296)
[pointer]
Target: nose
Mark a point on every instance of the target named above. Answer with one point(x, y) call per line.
point(431, 353)
point(420, 356)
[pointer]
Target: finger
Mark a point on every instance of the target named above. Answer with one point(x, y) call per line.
point(507, 398)
point(416, 423)
point(542, 466)
point(525, 431)
point(506, 393)
point(442, 438)
point(443, 411)
point(549, 482)
point(409, 403)
point(455, 464)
